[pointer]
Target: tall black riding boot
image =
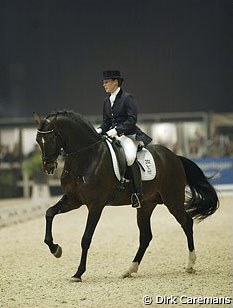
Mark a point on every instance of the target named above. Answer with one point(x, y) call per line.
point(136, 196)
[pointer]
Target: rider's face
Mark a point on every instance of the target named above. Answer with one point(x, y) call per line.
point(110, 85)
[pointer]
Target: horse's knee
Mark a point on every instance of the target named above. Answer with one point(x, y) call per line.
point(52, 211)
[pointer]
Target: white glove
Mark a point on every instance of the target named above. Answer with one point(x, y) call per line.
point(141, 143)
point(112, 133)
point(99, 130)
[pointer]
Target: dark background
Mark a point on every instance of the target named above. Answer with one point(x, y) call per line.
point(175, 55)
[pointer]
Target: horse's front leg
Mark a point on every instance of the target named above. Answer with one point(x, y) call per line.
point(92, 221)
point(62, 206)
point(143, 221)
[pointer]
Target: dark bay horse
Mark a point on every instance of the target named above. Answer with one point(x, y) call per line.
point(88, 178)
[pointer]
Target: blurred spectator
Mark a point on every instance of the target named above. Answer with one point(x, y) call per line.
point(177, 149)
point(216, 147)
point(6, 155)
point(197, 146)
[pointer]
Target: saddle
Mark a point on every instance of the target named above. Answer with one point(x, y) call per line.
point(144, 159)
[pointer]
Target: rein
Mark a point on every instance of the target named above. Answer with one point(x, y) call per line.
point(83, 149)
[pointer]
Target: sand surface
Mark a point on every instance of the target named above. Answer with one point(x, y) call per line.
point(31, 277)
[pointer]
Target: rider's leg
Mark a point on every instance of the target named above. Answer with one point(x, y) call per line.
point(130, 148)
point(136, 198)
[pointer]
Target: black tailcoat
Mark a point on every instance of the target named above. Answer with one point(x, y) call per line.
point(123, 116)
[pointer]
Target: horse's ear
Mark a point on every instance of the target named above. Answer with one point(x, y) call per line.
point(37, 118)
point(52, 118)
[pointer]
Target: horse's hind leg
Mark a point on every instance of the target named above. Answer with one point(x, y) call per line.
point(143, 221)
point(186, 223)
point(62, 206)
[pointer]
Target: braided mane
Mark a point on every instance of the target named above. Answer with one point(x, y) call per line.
point(74, 116)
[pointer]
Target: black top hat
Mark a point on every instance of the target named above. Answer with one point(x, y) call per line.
point(112, 75)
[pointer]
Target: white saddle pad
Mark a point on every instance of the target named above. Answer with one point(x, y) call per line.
point(145, 159)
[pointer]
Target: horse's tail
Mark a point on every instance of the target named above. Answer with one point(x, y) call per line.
point(203, 200)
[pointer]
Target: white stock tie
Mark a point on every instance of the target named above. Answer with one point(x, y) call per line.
point(112, 99)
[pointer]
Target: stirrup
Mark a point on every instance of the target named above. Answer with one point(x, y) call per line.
point(135, 201)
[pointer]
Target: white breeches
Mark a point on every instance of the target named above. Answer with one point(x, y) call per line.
point(130, 146)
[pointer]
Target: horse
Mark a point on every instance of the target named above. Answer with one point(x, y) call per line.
point(88, 179)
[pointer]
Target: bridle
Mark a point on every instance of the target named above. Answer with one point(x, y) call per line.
point(48, 159)
point(59, 146)
point(47, 132)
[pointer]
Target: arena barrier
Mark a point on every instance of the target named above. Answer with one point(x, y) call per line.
point(22, 209)
point(220, 170)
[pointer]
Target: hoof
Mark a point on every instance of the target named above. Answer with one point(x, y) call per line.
point(133, 269)
point(58, 252)
point(75, 279)
point(190, 270)
point(126, 275)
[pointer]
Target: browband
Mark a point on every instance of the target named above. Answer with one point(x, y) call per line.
point(49, 131)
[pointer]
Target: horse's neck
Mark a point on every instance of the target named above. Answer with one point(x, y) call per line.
point(76, 136)
point(83, 149)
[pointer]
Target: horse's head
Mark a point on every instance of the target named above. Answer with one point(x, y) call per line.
point(47, 138)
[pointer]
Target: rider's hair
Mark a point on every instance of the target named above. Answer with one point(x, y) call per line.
point(120, 81)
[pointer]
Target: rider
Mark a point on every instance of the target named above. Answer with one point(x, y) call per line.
point(119, 120)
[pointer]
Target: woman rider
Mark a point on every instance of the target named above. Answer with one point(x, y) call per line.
point(119, 120)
